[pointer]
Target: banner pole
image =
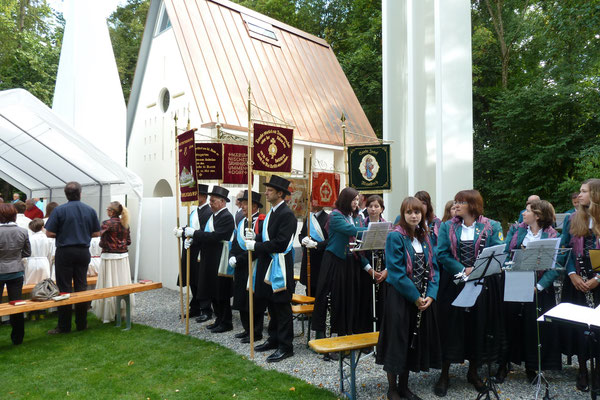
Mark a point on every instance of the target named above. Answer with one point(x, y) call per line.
point(308, 221)
point(187, 267)
point(249, 217)
point(343, 118)
point(177, 207)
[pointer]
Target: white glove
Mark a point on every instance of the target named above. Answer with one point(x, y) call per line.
point(232, 262)
point(311, 244)
point(189, 232)
point(305, 241)
point(250, 235)
point(250, 244)
point(178, 232)
point(187, 243)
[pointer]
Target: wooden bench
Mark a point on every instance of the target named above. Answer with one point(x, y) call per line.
point(303, 312)
point(301, 299)
point(120, 292)
point(91, 281)
point(343, 345)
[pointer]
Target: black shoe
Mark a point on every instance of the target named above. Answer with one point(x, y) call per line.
point(212, 326)
point(266, 346)
point(246, 339)
point(393, 395)
point(280, 355)
point(204, 317)
point(407, 394)
point(241, 335)
point(222, 328)
point(582, 381)
point(476, 381)
point(441, 386)
point(501, 374)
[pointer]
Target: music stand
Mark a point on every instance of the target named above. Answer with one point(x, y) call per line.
point(537, 258)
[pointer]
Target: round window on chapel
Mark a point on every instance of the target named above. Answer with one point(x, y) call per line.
point(165, 99)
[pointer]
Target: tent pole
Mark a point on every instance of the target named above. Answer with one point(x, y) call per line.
point(137, 245)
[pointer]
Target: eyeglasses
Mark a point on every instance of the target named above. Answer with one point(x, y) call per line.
point(460, 203)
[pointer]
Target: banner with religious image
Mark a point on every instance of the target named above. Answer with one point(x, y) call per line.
point(188, 182)
point(272, 149)
point(325, 188)
point(209, 161)
point(369, 168)
point(235, 164)
point(299, 196)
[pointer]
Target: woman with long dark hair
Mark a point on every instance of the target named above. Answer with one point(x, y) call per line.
point(338, 287)
point(475, 333)
point(409, 337)
point(433, 222)
point(581, 232)
point(521, 325)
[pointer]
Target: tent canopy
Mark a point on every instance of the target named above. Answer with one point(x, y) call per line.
point(40, 153)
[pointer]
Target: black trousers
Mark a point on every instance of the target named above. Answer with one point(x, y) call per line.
point(223, 313)
point(72, 265)
point(17, 321)
point(258, 322)
point(281, 329)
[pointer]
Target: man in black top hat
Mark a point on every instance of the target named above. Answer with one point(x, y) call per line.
point(276, 266)
point(239, 261)
point(214, 253)
point(200, 304)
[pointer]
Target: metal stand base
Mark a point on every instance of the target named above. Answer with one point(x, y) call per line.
point(491, 391)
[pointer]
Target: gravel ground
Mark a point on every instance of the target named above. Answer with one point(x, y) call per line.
point(160, 309)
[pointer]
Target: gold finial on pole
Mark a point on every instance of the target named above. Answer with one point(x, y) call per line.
point(188, 122)
point(218, 126)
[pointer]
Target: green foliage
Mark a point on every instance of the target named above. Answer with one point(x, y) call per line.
point(30, 47)
point(126, 27)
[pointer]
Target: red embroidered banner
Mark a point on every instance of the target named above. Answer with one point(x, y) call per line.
point(188, 186)
point(235, 164)
point(209, 161)
point(272, 149)
point(298, 202)
point(325, 188)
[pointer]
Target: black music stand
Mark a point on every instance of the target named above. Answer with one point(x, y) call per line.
point(537, 259)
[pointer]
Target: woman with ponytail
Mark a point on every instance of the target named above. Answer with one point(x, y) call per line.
point(475, 333)
point(521, 327)
point(409, 337)
point(581, 233)
point(114, 260)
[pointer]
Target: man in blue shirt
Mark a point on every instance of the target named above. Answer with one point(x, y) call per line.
point(73, 225)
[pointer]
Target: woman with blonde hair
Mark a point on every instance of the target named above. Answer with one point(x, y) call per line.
point(114, 260)
point(581, 233)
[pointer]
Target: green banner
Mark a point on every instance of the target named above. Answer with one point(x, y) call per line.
point(369, 168)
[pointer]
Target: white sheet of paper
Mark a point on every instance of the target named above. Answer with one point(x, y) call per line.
point(573, 313)
point(518, 286)
point(468, 296)
point(375, 236)
point(546, 245)
point(494, 268)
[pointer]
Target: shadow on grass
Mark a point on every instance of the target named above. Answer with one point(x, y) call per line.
point(105, 362)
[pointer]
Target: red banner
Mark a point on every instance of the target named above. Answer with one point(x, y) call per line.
point(188, 184)
point(209, 161)
point(298, 202)
point(235, 164)
point(325, 188)
point(272, 149)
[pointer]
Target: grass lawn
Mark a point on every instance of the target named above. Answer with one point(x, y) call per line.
point(104, 362)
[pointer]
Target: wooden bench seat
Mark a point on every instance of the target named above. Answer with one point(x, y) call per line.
point(343, 345)
point(301, 299)
point(302, 312)
point(121, 292)
point(91, 281)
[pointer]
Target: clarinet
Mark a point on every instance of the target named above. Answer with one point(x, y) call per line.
point(413, 341)
point(589, 296)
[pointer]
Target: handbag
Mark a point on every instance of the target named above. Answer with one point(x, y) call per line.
point(44, 290)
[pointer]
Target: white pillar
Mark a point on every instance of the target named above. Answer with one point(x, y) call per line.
point(427, 105)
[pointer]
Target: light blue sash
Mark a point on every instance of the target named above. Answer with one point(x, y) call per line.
point(316, 233)
point(276, 276)
point(224, 268)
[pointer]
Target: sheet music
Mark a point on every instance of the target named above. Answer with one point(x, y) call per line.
point(560, 220)
point(573, 313)
point(375, 236)
point(468, 296)
point(482, 260)
point(519, 286)
point(539, 255)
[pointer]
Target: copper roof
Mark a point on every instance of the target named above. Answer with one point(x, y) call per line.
point(297, 79)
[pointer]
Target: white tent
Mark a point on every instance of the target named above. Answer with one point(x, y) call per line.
point(40, 153)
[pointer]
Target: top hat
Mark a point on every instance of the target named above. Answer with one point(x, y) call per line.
point(220, 192)
point(202, 188)
point(279, 183)
point(255, 198)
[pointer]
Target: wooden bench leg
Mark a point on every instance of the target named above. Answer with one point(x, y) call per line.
point(127, 311)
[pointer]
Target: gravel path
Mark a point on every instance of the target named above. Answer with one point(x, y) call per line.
point(160, 309)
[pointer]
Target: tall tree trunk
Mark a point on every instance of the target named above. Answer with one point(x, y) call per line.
point(499, 28)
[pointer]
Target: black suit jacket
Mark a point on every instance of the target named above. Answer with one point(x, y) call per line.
point(282, 228)
point(203, 215)
point(316, 254)
point(240, 274)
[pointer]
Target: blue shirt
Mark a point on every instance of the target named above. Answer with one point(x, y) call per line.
point(73, 223)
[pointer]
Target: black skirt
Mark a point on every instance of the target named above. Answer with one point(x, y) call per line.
point(477, 333)
point(394, 350)
point(521, 331)
point(338, 281)
point(572, 338)
point(365, 302)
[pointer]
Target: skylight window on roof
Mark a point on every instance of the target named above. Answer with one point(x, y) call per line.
point(260, 30)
